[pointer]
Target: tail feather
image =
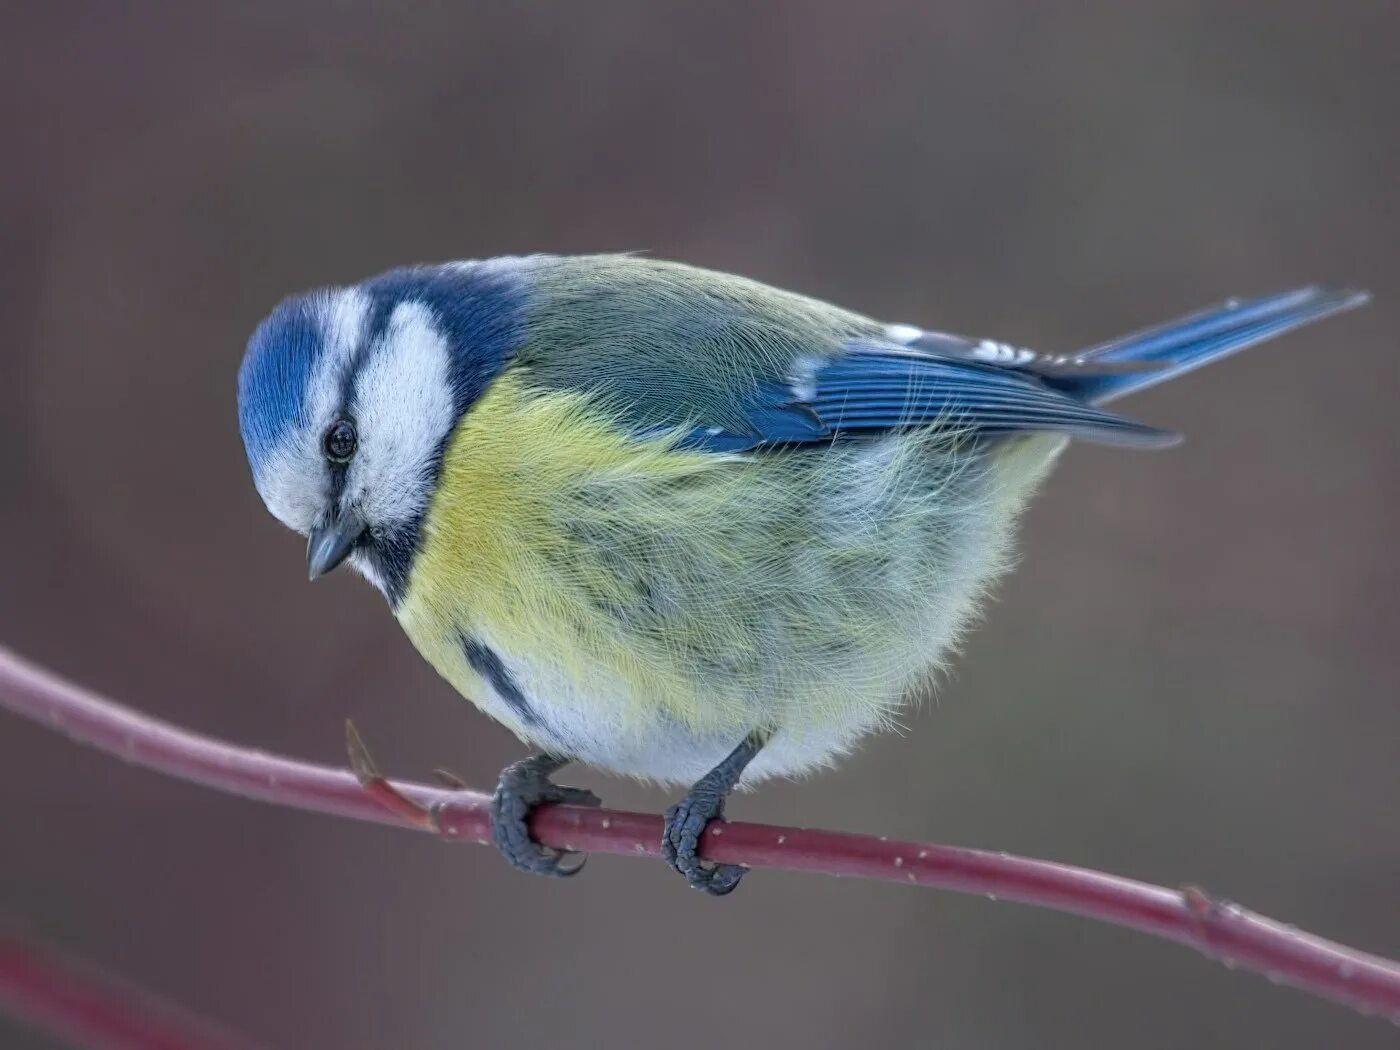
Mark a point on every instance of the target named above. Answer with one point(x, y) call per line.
point(1179, 346)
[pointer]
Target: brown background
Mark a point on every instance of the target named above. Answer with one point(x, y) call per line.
point(1191, 678)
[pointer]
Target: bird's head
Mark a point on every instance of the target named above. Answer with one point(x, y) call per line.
point(347, 396)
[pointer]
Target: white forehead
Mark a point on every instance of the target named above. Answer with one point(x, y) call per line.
point(403, 408)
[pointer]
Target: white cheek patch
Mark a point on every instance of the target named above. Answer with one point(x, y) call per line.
point(293, 482)
point(403, 410)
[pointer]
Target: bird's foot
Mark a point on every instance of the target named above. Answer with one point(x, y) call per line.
point(687, 819)
point(680, 843)
point(523, 786)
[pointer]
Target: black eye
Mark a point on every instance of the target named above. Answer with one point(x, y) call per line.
point(340, 441)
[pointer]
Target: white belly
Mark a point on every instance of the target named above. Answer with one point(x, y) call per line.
point(599, 728)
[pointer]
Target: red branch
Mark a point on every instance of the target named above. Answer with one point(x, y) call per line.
point(77, 1003)
point(1221, 930)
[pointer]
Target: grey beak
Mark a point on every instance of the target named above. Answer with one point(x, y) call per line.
point(331, 542)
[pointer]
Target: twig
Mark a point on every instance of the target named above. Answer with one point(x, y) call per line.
point(1217, 928)
point(73, 1001)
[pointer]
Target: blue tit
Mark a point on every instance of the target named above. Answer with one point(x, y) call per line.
point(673, 523)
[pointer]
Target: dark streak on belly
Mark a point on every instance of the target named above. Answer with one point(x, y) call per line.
point(485, 662)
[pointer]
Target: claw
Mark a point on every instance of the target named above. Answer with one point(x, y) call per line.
point(680, 846)
point(687, 819)
point(522, 787)
point(570, 872)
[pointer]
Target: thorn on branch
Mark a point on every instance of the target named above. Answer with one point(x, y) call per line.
point(377, 786)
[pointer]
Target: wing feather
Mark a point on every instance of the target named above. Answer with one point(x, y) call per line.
point(875, 388)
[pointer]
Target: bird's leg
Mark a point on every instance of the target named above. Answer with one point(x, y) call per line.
point(523, 786)
point(687, 819)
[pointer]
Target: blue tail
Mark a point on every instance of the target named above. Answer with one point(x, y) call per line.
point(1189, 342)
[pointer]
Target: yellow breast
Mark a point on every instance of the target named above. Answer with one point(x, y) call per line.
point(497, 557)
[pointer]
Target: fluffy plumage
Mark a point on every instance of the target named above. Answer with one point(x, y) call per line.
point(637, 511)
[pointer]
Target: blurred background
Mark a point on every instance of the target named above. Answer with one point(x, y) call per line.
point(1191, 678)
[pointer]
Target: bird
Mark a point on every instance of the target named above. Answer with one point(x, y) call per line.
point(673, 523)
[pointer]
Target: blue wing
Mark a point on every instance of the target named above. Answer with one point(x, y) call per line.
point(874, 388)
point(915, 378)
